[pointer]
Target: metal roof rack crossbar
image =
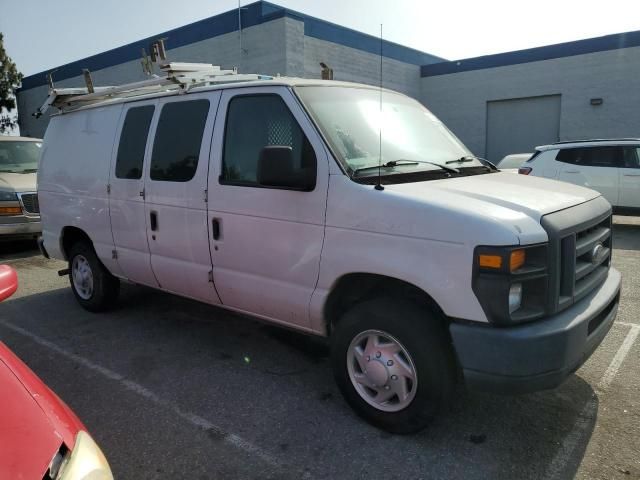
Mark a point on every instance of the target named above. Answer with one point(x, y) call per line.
point(179, 77)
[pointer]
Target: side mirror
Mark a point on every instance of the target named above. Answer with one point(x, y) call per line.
point(8, 282)
point(276, 169)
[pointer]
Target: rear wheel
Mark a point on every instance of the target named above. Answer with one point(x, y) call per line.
point(393, 362)
point(92, 284)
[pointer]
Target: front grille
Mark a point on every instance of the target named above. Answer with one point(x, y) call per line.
point(30, 203)
point(580, 251)
point(587, 267)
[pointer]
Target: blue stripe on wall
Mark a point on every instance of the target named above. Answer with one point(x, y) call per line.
point(252, 14)
point(579, 47)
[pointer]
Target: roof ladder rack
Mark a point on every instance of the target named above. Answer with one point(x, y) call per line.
point(179, 77)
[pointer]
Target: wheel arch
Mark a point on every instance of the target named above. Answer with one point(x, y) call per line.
point(353, 288)
point(71, 235)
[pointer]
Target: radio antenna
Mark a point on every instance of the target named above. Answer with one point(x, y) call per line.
point(379, 185)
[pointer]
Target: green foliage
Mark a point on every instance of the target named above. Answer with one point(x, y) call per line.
point(10, 79)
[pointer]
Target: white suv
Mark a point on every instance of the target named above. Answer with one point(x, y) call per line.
point(611, 167)
point(337, 210)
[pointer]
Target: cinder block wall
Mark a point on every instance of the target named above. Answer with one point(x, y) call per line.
point(460, 99)
point(264, 51)
point(353, 65)
point(275, 40)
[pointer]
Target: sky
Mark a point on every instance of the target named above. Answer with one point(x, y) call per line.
point(41, 34)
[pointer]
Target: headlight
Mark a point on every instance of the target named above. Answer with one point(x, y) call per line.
point(511, 283)
point(85, 462)
point(8, 196)
point(515, 297)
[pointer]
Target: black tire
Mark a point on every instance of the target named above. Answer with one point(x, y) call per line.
point(106, 287)
point(421, 333)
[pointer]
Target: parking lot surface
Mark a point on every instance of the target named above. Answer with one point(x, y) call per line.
point(171, 388)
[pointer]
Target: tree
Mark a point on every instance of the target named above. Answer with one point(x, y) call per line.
point(10, 79)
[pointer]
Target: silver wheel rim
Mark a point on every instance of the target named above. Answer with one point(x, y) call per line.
point(382, 371)
point(82, 277)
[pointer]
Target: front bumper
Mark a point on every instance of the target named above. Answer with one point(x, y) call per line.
point(31, 228)
point(538, 355)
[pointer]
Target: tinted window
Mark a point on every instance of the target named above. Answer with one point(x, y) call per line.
point(133, 141)
point(630, 157)
point(591, 156)
point(255, 122)
point(176, 148)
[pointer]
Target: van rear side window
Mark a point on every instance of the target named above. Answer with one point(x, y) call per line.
point(133, 141)
point(176, 148)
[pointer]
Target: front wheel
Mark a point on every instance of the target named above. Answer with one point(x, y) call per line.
point(393, 362)
point(92, 284)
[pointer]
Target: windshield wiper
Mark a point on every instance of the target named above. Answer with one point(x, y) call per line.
point(402, 161)
point(29, 170)
point(461, 160)
point(468, 158)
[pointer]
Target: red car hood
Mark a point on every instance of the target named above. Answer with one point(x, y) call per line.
point(34, 422)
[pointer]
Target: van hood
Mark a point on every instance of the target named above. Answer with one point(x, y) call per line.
point(18, 182)
point(532, 196)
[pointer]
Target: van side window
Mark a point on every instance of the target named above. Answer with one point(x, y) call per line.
point(176, 147)
point(255, 122)
point(591, 156)
point(133, 141)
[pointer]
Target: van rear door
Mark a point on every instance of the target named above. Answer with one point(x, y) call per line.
point(126, 197)
point(176, 195)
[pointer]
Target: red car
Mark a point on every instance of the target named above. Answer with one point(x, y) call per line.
point(40, 437)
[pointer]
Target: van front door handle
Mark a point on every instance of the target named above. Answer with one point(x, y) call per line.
point(153, 217)
point(631, 174)
point(215, 228)
point(571, 171)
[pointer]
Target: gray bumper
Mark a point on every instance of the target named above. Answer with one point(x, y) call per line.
point(539, 355)
point(27, 229)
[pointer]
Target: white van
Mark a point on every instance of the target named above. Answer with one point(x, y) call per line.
point(271, 198)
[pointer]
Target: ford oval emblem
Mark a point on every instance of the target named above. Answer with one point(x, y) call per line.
point(597, 254)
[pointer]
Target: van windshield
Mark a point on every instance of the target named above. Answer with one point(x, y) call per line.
point(19, 156)
point(358, 129)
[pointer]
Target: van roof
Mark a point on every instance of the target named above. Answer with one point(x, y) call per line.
point(171, 90)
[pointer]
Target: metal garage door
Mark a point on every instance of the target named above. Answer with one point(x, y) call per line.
point(519, 124)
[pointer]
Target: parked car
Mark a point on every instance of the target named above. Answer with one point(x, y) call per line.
point(511, 163)
point(19, 208)
point(337, 210)
point(41, 437)
point(612, 167)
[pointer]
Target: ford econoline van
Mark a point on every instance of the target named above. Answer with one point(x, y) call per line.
point(338, 210)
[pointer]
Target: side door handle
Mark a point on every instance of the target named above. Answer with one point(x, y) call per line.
point(215, 228)
point(153, 217)
point(571, 171)
point(631, 174)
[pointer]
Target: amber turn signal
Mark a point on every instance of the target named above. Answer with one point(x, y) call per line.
point(516, 260)
point(10, 211)
point(490, 261)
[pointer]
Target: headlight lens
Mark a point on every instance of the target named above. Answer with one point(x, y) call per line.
point(85, 462)
point(8, 196)
point(515, 297)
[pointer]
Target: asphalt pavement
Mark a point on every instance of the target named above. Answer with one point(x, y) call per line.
point(171, 388)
